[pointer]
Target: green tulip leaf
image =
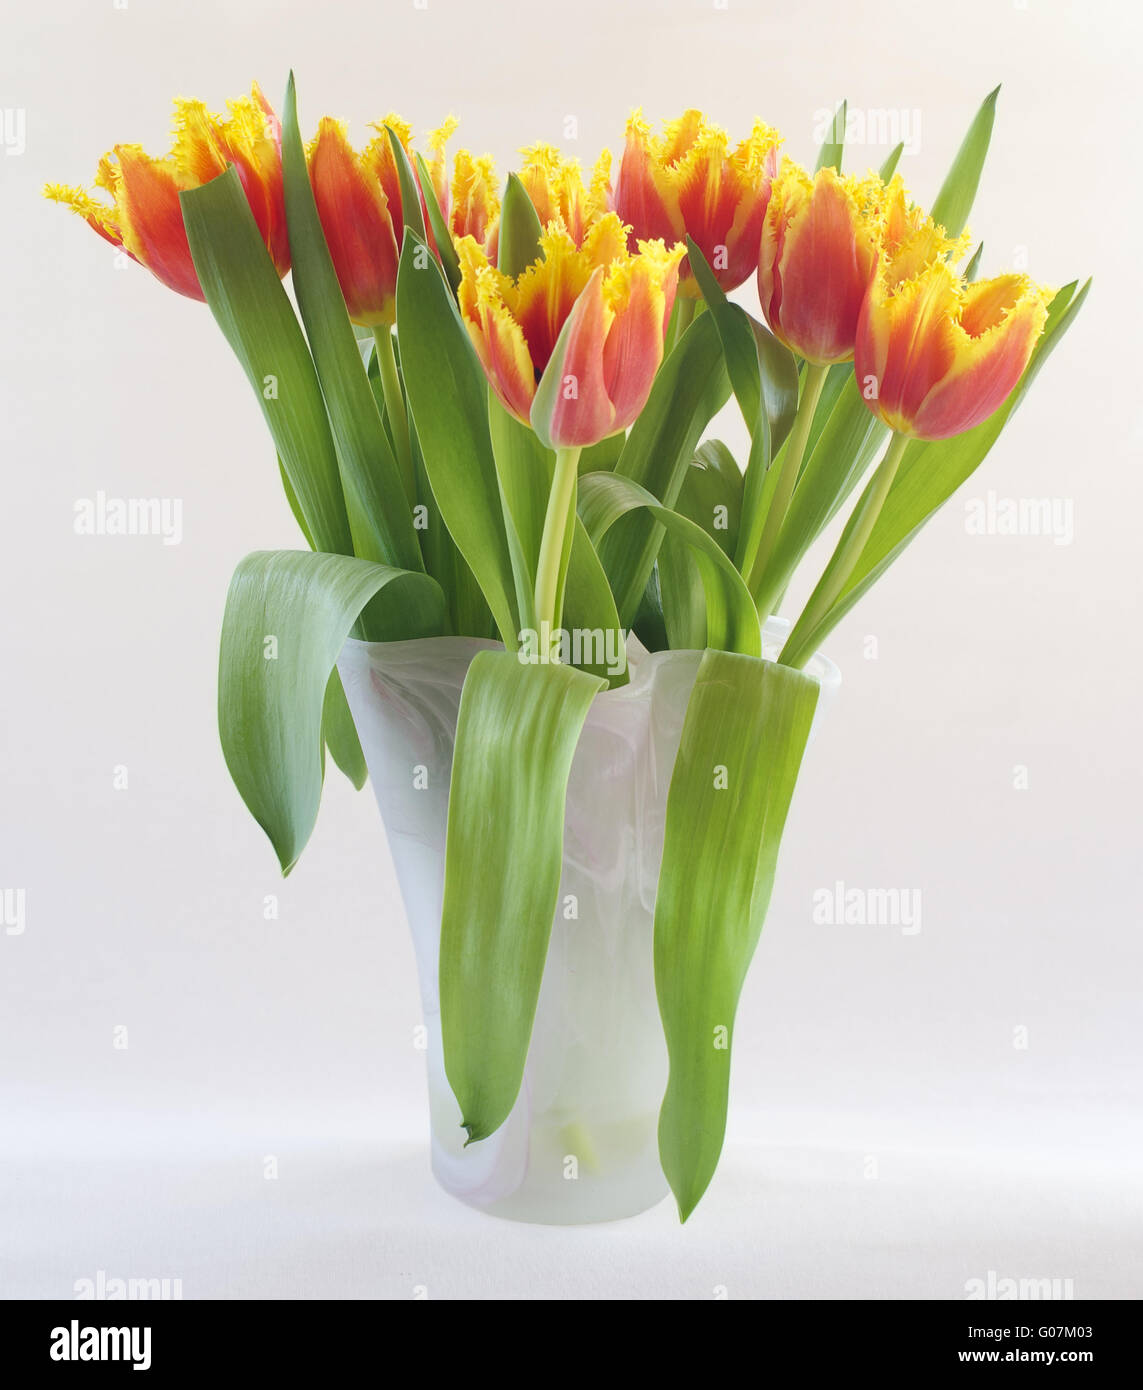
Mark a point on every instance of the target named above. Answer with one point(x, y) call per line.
point(690, 389)
point(447, 394)
point(831, 150)
point(958, 192)
point(378, 509)
point(441, 234)
point(340, 733)
point(516, 733)
point(731, 618)
point(742, 743)
point(519, 230)
point(249, 304)
point(287, 616)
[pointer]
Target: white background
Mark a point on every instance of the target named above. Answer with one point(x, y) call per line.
point(294, 1037)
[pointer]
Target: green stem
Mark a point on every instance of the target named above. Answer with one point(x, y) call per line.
point(755, 567)
point(844, 559)
point(395, 408)
point(684, 316)
point(561, 501)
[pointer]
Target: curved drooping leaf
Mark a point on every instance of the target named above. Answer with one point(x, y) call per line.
point(252, 309)
point(287, 616)
point(375, 497)
point(690, 389)
point(731, 618)
point(337, 725)
point(516, 733)
point(742, 743)
point(447, 394)
point(711, 499)
point(928, 475)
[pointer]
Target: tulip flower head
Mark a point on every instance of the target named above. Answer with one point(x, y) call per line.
point(468, 199)
point(358, 199)
point(597, 313)
point(818, 251)
point(691, 183)
point(937, 355)
point(558, 193)
point(144, 217)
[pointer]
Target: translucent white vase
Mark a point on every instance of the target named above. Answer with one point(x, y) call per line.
point(581, 1142)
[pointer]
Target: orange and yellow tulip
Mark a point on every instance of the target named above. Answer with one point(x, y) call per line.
point(144, 217)
point(358, 199)
point(607, 309)
point(468, 200)
point(558, 193)
point(691, 183)
point(936, 355)
point(818, 252)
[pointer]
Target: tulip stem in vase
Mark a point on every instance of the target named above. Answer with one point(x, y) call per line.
point(395, 408)
point(790, 466)
point(553, 551)
point(848, 552)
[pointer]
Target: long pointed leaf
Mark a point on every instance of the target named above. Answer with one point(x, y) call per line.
point(954, 202)
point(447, 394)
point(745, 732)
point(831, 150)
point(516, 733)
point(252, 309)
point(375, 496)
point(441, 234)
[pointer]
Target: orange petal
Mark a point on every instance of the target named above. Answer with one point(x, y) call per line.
point(583, 414)
point(816, 261)
point(1000, 322)
point(151, 218)
point(643, 199)
point(634, 347)
point(357, 225)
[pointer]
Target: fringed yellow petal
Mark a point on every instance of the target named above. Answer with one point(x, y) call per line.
point(98, 215)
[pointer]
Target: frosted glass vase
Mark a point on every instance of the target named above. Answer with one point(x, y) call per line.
point(580, 1144)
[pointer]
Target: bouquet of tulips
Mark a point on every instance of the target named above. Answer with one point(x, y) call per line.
point(489, 422)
